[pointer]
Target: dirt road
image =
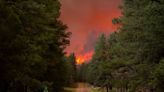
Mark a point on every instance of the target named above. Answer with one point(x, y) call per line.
point(83, 87)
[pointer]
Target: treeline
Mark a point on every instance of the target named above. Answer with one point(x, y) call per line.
point(71, 70)
point(32, 43)
point(131, 59)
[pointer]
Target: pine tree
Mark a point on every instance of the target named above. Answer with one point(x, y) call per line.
point(32, 44)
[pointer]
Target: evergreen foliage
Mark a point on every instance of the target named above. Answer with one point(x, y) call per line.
point(132, 60)
point(32, 43)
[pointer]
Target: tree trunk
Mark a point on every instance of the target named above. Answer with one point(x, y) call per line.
point(110, 87)
point(4, 86)
point(25, 88)
point(122, 89)
point(107, 89)
point(126, 89)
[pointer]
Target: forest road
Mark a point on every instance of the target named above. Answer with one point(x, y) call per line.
point(83, 87)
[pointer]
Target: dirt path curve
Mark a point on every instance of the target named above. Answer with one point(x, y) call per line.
point(83, 87)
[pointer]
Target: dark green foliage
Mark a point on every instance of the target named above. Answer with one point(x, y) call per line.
point(133, 56)
point(32, 40)
point(71, 69)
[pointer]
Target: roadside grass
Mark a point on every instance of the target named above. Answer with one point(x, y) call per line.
point(97, 89)
point(69, 89)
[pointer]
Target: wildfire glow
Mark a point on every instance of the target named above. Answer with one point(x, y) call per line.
point(80, 60)
point(84, 58)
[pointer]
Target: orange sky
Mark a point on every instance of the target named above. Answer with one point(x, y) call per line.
point(86, 19)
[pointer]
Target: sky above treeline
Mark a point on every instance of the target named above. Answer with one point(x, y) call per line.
point(86, 19)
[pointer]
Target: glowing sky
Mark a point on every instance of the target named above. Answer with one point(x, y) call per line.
point(86, 19)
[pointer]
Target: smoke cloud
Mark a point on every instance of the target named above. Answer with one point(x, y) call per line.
point(90, 42)
point(84, 16)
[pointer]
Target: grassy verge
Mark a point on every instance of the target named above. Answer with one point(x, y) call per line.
point(97, 89)
point(68, 89)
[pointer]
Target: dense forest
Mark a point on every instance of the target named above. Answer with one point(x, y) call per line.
point(131, 59)
point(33, 42)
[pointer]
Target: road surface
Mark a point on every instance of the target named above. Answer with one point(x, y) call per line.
point(83, 87)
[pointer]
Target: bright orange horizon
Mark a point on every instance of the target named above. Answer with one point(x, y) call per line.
point(86, 19)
